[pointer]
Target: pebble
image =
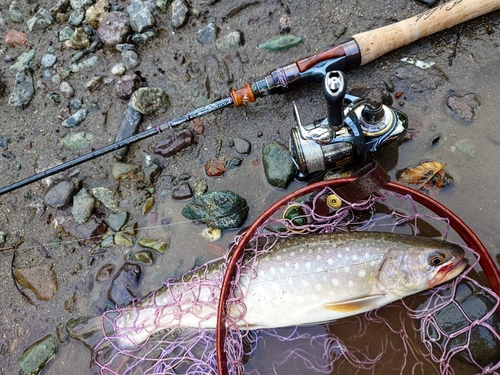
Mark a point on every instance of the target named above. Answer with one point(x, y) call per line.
point(179, 13)
point(182, 191)
point(83, 206)
point(242, 146)
point(79, 39)
point(128, 127)
point(463, 106)
point(75, 103)
point(47, 74)
point(127, 85)
point(211, 234)
point(121, 171)
point(76, 119)
point(87, 64)
point(23, 89)
point(94, 83)
point(16, 38)
point(118, 221)
point(150, 100)
point(140, 16)
point(41, 280)
point(230, 41)
point(76, 17)
point(78, 4)
point(115, 26)
point(91, 231)
point(85, 284)
point(15, 12)
point(159, 245)
point(105, 272)
point(66, 90)
point(60, 193)
point(278, 165)
point(143, 256)
point(33, 360)
point(467, 147)
point(55, 98)
point(234, 162)
point(208, 34)
point(198, 126)
point(170, 146)
point(22, 62)
point(66, 34)
point(48, 60)
point(141, 38)
point(118, 69)
point(200, 187)
point(281, 42)
point(96, 13)
point(41, 20)
point(122, 239)
point(125, 284)
point(215, 168)
point(76, 141)
point(107, 197)
point(151, 172)
point(148, 205)
point(108, 241)
point(62, 333)
point(219, 209)
point(130, 59)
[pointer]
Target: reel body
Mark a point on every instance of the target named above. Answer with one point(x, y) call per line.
point(353, 127)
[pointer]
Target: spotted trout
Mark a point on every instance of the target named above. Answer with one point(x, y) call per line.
point(303, 280)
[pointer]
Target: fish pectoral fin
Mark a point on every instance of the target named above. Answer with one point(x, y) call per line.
point(358, 304)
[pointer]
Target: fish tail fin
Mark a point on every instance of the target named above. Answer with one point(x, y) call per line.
point(89, 330)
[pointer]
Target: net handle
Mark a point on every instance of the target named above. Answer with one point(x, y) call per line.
point(469, 237)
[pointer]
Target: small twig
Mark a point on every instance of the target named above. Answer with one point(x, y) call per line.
point(5, 248)
point(25, 297)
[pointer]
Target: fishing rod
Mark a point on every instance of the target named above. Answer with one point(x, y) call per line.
point(362, 49)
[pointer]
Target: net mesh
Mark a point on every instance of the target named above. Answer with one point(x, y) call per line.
point(419, 329)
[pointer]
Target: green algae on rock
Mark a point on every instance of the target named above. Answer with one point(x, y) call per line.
point(281, 42)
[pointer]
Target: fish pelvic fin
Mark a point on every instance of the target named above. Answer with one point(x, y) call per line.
point(353, 306)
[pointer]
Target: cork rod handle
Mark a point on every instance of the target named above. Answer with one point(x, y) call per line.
point(378, 42)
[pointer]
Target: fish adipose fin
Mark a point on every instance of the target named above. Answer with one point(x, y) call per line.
point(358, 304)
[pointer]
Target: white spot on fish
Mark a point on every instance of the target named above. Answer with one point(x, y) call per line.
point(339, 255)
point(335, 281)
point(266, 258)
point(308, 265)
point(275, 286)
point(292, 254)
point(318, 257)
point(287, 264)
point(354, 257)
point(346, 269)
point(278, 258)
point(273, 270)
point(296, 266)
point(319, 269)
point(301, 250)
point(289, 281)
point(310, 251)
point(261, 273)
point(305, 283)
point(330, 261)
point(318, 287)
point(367, 255)
point(347, 249)
point(362, 273)
point(282, 270)
point(350, 283)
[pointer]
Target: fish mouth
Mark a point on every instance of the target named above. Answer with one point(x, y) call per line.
point(449, 272)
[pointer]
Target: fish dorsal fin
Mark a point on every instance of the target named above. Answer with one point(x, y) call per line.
point(357, 304)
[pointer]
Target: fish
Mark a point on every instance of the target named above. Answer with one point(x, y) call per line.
point(302, 280)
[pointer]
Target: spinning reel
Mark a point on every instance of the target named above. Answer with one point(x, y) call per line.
point(353, 127)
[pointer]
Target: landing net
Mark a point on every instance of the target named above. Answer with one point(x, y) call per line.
point(438, 331)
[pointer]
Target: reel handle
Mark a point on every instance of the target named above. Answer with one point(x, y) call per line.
point(375, 43)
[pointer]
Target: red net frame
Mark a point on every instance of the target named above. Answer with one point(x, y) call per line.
point(468, 236)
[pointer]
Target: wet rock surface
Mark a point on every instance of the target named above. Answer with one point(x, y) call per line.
point(219, 209)
point(124, 286)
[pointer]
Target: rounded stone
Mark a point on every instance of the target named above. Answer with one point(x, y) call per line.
point(48, 60)
point(150, 100)
point(66, 90)
point(60, 193)
point(114, 28)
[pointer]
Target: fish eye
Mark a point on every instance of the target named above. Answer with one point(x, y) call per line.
point(436, 259)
